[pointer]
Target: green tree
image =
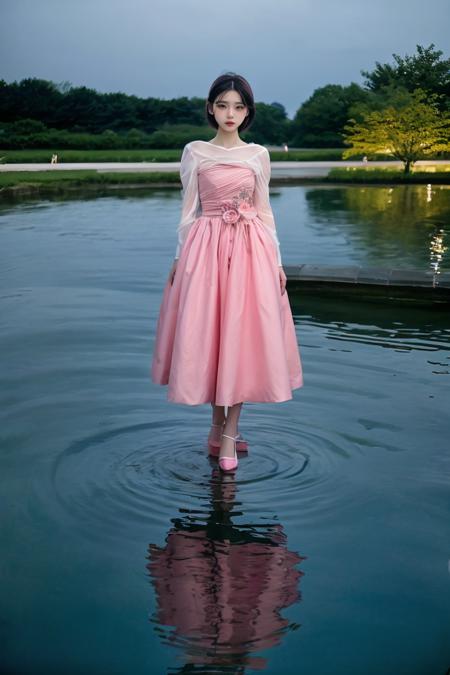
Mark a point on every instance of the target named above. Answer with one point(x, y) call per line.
point(135, 138)
point(80, 106)
point(270, 125)
point(26, 127)
point(425, 70)
point(110, 139)
point(32, 98)
point(412, 127)
point(319, 122)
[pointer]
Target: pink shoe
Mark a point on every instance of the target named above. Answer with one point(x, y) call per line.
point(241, 443)
point(229, 463)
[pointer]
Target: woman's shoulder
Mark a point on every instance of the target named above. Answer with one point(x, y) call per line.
point(262, 149)
point(200, 144)
point(198, 152)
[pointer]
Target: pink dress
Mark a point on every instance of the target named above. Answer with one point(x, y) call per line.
point(225, 333)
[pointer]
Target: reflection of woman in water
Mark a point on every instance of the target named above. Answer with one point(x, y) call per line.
point(222, 586)
point(225, 332)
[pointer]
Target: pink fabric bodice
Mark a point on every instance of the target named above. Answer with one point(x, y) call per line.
point(213, 175)
point(224, 190)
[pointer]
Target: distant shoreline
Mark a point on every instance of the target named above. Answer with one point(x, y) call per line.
point(35, 179)
point(285, 167)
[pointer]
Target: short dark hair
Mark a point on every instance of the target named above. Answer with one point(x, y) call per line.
point(224, 83)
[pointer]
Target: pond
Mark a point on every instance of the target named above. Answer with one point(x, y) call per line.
point(125, 551)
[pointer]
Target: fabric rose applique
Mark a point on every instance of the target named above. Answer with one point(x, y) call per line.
point(237, 207)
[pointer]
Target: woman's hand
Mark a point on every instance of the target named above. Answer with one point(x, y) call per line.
point(172, 271)
point(283, 279)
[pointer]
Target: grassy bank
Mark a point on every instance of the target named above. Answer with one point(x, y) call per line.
point(425, 175)
point(68, 156)
point(20, 183)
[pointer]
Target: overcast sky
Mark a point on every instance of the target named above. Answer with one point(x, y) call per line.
point(172, 48)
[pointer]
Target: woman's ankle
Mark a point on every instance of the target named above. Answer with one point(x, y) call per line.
point(218, 421)
point(218, 414)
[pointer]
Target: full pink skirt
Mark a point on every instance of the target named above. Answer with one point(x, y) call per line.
point(225, 333)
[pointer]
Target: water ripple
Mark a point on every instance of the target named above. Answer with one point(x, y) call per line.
point(98, 478)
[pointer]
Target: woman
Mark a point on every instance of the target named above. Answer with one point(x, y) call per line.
point(225, 332)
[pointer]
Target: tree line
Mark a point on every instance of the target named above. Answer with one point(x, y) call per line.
point(40, 113)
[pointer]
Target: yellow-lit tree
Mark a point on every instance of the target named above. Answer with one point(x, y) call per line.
point(409, 128)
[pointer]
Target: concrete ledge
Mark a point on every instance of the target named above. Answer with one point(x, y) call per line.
point(371, 282)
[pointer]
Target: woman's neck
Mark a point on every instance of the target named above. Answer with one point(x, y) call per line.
point(227, 140)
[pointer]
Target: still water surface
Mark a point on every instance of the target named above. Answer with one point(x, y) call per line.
point(123, 548)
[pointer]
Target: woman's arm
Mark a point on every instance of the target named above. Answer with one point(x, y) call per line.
point(262, 201)
point(188, 175)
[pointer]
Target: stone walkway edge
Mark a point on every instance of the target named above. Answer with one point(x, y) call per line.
point(351, 276)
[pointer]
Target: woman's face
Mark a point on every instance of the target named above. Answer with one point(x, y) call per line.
point(229, 110)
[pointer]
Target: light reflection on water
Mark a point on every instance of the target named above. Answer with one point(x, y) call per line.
point(322, 555)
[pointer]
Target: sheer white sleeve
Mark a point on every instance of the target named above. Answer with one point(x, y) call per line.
point(261, 199)
point(190, 197)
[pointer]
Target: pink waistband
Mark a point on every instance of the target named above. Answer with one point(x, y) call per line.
point(220, 214)
point(212, 213)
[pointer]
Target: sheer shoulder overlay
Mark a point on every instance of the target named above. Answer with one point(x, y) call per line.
point(198, 155)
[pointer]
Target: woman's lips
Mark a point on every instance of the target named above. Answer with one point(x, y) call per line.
point(230, 124)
